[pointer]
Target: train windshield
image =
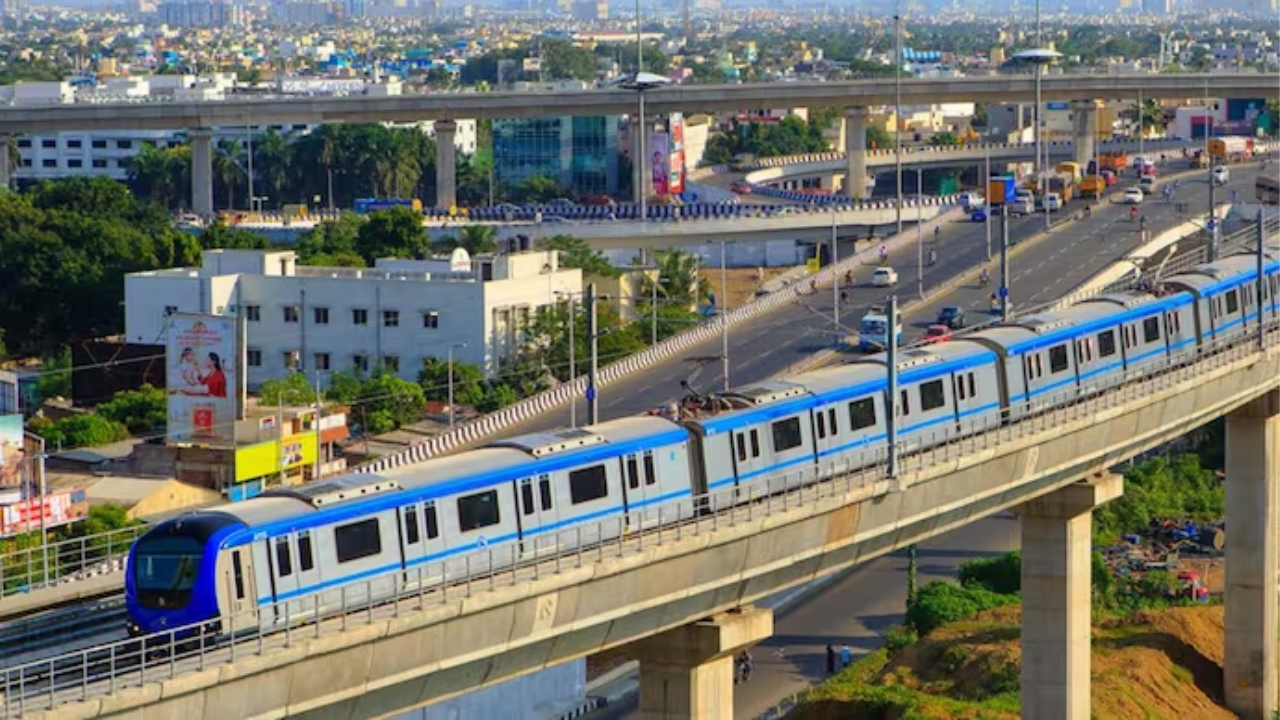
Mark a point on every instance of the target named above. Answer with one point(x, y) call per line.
point(165, 569)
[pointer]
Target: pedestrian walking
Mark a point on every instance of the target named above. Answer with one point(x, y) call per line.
point(846, 656)
point(831, 659)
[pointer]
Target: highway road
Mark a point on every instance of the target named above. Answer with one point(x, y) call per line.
point(1041, 272)
point(858, 607)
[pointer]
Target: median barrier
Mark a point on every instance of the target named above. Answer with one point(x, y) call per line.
point(531, 407)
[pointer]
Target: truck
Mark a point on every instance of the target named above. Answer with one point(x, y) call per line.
point(1234, 148)
point(1093, 186)
point(1198, 161)
point(1063, 185)
point(1070, 168)
point(368, 205)
point(1114, 160)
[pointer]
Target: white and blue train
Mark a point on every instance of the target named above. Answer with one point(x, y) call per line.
point(293, 551)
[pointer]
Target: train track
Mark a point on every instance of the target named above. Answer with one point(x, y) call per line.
point(56, 632)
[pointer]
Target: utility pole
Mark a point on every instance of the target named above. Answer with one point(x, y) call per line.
point(315, 470)
point(657, 278)
point(593, 407)
point(724, 316)
point(573, 365)
point(1260, 256)
point(835, 278)
point(1004, 263)
point(897, 107)
point(919, 234)
point(891, 413)
point(986, 186)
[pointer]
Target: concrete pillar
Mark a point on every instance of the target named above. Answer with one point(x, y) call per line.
point(855, 151)
point(1253, 462)
point(446, 164)
point(201, 171)
point(687, 673)
point(1056, 598)
point(1084, 118)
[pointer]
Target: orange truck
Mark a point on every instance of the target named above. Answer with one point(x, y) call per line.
point(1093, 186)
point(1117, 161)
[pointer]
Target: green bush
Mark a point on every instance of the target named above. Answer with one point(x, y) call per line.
point(940, 603)
point(1001, 574)
point(142, 411)
point(898, 637)
point(1162, 487)
point(78, 431)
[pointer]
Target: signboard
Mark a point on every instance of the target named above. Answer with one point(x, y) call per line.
point(660, 158)
point(268, 459)
point(675, 174)
point(532, 64)
point(58, 508)
point(12, 455)
point(459, 261)
point(812, 265)
point(201, 364)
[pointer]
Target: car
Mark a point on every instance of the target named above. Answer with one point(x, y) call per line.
point(951, 316)
point(1132, 196)
point(979, 215)
point(1147, 184)
point(884, 277)
point(1221, 175)
point(935, 334)
point(972, 201)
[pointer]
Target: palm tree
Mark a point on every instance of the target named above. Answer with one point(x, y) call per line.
point(226, 167)
point(478, 239)
point(679, 282)
point(272, 157)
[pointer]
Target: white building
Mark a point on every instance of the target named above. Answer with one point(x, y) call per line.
point(395, 315)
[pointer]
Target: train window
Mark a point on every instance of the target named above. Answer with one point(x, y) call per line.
point(237, 574)
point(862, 414)
point(786, 435)
point(544, 492)
point(284, 560)
point(306, 561)
point(822, 424)
point(973, 386)
point(431, 522)
point(478, 511)
point(526, 496)
point(650, 469)
point(1058, 358)
point(357, 540)
point(960, 389)
point(633, 473)
point(742, 447)
point(1107, 343)
point(587, 484)
point(1233, 302)
point(755, 443)
point(904, 403)
point(932, 396)
point(831, 421)
point(1151, 329)
point(411, 533)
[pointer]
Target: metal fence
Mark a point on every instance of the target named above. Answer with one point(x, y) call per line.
point(65, 562)
point(105, 669)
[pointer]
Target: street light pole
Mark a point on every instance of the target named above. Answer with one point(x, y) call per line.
point(451, 347)
point(986, 184)
point(641, 188)
point(1004, 263)
point(891, 414)
point(573, 365)
point(724, 316)
point(897, 108)
point(657, 278)
point(593, 406)
point(835, 278)
point(919, 234)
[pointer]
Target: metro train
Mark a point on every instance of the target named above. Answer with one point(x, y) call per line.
point(294, 551)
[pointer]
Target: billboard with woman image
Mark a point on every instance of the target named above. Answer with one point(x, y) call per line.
point(200, 378)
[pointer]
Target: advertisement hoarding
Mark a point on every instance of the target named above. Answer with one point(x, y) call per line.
point(660, 161)
point(675, 173)
point(201, 367)
point(12, 458)
point(58, 508)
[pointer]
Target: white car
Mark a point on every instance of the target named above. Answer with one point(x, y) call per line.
point(1132, 196)
point(884, 277)
point(972, 201)
point(1221, 175)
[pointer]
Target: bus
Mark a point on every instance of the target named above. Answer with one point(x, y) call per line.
point(873, 335)
point(1267, 190)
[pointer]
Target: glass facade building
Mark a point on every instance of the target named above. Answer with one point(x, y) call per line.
point(580, 153)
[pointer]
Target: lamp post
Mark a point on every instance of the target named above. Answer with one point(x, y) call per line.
point(640, 82)
point(986, 185)
point(919, 234)
point(451, 347)
point(724, 315)
point(897, 107)
point(573, 362)
point(835, 279)
point(1039, 58)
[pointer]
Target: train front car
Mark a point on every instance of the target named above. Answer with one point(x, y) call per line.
point(171, 579)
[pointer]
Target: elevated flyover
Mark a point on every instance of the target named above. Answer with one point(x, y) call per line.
point(439, 641)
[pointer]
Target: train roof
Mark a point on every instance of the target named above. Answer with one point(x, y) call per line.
point(926, 360)
point(1032, 332)
point(1216, 277)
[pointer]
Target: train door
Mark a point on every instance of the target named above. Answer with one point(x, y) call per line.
point(633, 491)
point(284, 577)
point(1179, 331)
point(751, 460)
point(420, 530)
point(241, 591)
point(537, 519)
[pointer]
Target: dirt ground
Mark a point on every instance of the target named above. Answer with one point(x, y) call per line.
point(1159, 665)
point(743, 282)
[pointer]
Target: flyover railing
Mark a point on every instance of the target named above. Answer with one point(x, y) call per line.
point(560, 395)
point(66, 562)
point(106, 669)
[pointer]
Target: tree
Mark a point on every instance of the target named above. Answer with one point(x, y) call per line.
point(394, 232)
point(878, 137)
point(538, 189)
point(548, 345)
point(4, 352)
point(468, 381)
point(332, 243)
point(55, 376)
point(576, 253)
point(77, 431)
point(292, 390)
point(387, 402)
point(162, 176)
point(679, 282)
point(221, 236)
point(945, 138)
point(478, 239)
point(142, 411)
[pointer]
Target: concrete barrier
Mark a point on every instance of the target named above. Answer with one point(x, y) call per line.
point(531, 407)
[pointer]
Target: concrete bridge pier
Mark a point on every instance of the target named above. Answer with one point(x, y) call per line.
point(446, 164)
point(687, 673)
point(1253, 464)
point(855, 151)
point(1084, 117)
point(1057, 542)
point(201, 170)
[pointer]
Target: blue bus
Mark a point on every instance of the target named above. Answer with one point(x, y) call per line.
point(873, 335)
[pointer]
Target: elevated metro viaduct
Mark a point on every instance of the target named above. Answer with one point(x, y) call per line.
point(680, 597)
point(197, 118)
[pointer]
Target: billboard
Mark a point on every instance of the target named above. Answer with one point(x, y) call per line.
point(56, 508)
point(660, 161)
point(201, 368)
point(12, 457)
point(675, 174)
